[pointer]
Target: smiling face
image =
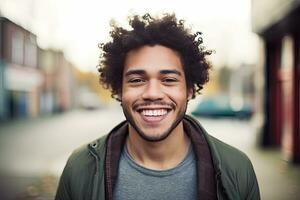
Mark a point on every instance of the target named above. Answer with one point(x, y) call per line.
point(154, 94)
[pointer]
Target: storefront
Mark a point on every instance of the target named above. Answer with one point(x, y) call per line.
point(22, 87)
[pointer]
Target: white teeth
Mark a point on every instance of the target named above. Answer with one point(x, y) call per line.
point(159, 112)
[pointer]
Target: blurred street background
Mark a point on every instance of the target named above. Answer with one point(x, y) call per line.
point(51, 101)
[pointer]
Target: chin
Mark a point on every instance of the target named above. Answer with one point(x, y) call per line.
point(157, 136)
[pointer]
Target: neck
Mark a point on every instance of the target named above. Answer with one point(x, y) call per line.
point(162, 155)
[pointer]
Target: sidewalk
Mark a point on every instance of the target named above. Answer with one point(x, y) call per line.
point(278, 179)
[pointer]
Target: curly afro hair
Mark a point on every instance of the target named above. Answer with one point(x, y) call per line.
point(146, 30)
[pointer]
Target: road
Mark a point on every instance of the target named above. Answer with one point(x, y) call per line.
point(40, 147)
point(33, 152)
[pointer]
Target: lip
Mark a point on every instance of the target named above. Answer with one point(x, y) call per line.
point(139, 109)
point(153, 105)
point(153, 119)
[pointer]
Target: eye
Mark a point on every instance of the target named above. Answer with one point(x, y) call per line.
point(169, 80)
point(135, 80)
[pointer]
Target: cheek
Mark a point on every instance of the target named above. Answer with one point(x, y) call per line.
point(178, 94)
point(129, 95)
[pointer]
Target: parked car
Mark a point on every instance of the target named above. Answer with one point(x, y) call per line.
point(90, 101)
point(222, 106)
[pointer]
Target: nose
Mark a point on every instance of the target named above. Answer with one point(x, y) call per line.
point(153, 91)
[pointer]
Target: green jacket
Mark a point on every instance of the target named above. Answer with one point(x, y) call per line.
point(84, 176)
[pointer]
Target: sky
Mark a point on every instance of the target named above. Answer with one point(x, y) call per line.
point(78, 26)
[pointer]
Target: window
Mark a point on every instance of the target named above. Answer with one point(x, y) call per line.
point(17, 48)
point(30, 52)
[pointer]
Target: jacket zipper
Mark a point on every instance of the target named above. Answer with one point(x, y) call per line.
point(96, 175)
point(218, 185)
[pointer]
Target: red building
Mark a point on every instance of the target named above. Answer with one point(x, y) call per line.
point(277, 22)
point(21, 78)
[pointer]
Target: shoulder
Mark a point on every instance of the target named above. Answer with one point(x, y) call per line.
point(76, 179)
point(83, 155)
point(236, 169)
point(227, 154)
point(222, 153)
point(82, 160)
point(79, 171)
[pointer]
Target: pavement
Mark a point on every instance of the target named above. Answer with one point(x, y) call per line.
point(33, 152)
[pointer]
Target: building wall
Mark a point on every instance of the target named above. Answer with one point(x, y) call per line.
point(3, 111)
point(259, 118)
point(33, 81)
point(280, 34)
point(19, 45)
point(58, 81)
point(266, 13)
point(21, 77)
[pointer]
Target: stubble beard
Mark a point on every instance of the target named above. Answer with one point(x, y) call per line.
point(162, 136)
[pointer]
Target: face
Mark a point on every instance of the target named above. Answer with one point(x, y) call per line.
point(154, 94)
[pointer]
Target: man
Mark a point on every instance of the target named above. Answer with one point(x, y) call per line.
point(154, 69)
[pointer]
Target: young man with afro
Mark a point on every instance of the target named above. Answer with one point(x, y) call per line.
point(158, 152)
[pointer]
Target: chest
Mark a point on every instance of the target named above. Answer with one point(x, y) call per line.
point(136, 182)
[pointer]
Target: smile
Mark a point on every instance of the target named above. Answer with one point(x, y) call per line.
point(153, 115)
point(157, 112)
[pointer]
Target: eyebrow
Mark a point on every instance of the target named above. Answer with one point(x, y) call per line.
point(135, 71)
point(142, 72)
point(170, 71)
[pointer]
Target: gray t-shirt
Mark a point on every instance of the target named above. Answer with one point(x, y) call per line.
point(136, 182)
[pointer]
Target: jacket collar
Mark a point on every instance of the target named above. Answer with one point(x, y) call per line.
point(213, 151)
point(215, 155)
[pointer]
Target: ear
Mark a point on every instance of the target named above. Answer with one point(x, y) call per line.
point(119, 97)
point(190, 93)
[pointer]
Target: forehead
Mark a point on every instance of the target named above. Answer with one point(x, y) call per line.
point(153, 59)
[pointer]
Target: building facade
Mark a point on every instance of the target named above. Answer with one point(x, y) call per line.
point(21, 79)
point(33, 81)
point(58, 81)
point(277, 22)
